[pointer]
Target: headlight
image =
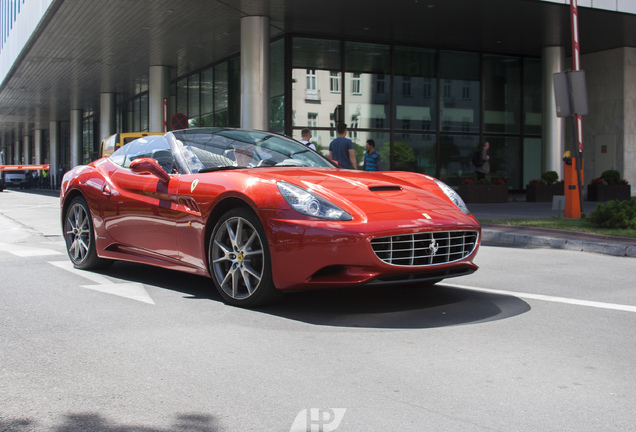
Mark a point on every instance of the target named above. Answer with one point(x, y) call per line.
point(454, 196)
point(311, 205)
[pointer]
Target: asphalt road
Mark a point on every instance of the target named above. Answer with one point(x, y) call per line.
point(537, 339)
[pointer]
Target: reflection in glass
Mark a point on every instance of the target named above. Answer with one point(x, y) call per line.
point(460, 75)
point(193, 99)
point(455, 158)
point(221, 85)
point(531, 160)
point(415, 89)
point(182, 96)
point(505, 160)
point(144, 114)
point(207, 91)
point(414, 152)
point(316, 72)
point(277, 87)
point(502, 94)
point(532, 105)
point(367, 70)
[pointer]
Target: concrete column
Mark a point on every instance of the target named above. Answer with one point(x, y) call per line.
point(26, 150)
point(8, 149)
point(255, 72)
point(158, 90)
point(54, 152)
point(38, 146)
point(107, 113)
point(17, 153)
point(553, 126)
point(76, 138)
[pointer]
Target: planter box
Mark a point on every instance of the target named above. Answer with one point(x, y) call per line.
point(542, 192)
point(484, 193)
point(603, 193)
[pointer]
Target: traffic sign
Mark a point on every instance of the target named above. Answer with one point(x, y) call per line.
point(179, 121)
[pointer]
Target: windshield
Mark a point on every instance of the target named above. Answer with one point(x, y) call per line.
point(218, 149)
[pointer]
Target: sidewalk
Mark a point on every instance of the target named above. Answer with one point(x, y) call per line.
point(545, 238)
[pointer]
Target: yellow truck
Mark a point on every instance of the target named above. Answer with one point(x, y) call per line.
point(113, 142)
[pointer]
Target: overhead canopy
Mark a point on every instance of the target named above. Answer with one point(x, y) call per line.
point(84, 48)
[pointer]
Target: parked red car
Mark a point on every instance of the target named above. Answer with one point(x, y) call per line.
point(260, 213)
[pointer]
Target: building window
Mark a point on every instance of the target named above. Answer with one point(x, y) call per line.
point(312, 120)
point(447, 88)
point(380, 85)
point(334, 82)
point(356, 84)
point(406, 125)
point(353, 128)
point(311, 79)
point(427, 88)
point(466, 90)
point(406, 86)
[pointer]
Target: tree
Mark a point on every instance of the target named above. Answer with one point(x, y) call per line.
point(404, 157)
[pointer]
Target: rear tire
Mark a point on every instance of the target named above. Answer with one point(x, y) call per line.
point(239, 260)
point(79, 237)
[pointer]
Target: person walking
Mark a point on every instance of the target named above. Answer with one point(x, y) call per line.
point(305, 136)
point(482, 163)
point(372, 161)
point(341, 149)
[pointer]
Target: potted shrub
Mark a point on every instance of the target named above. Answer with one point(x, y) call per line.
point(609, 186)
point(543, 190)
point(484, 191)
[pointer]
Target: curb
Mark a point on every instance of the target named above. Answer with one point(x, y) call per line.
point(489, 236)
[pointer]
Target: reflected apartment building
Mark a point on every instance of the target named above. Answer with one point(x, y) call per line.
point(427, 115)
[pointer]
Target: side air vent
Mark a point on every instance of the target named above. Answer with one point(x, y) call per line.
point(384, 188)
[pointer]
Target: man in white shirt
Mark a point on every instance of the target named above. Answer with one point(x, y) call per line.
point(305, 135)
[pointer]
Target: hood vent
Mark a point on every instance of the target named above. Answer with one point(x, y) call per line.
point(385, 188)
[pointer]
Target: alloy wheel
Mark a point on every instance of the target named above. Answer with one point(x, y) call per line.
point(238, 259)
point(78, 233)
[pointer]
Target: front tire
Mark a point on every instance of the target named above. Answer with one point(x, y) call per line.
point(79, 237)
point(239, 260)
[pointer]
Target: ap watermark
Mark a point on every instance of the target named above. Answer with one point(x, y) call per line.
point(318, 420)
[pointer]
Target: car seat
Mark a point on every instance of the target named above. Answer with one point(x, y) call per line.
point(165, 159)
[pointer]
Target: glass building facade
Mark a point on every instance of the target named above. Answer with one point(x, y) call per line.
point(428, 110)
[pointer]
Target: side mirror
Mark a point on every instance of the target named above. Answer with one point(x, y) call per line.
point(149, 166)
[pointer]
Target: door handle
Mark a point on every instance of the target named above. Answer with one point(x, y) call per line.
point(106, 190)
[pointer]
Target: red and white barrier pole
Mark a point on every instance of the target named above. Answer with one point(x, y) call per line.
point(578, 120)
point(576, 64)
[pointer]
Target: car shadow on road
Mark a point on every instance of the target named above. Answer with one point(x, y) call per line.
point(395, 307)
point(391, 307)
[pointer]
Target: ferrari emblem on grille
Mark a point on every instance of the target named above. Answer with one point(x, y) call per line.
point(433, 247)
point(194, 185)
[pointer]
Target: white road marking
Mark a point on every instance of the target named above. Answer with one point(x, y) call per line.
point(130, 290)
point(553, 299)
point(26, 251)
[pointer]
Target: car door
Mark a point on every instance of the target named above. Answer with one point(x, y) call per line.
point(141, 210)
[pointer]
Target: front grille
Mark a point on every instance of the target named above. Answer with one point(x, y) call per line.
point(428, 248)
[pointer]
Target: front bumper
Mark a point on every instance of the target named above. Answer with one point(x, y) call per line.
point(309, 254)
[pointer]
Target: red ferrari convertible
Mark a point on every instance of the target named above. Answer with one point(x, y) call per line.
point(260, 213)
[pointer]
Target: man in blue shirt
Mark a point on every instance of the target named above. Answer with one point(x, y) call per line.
point(341, 149)
point(372, 161)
